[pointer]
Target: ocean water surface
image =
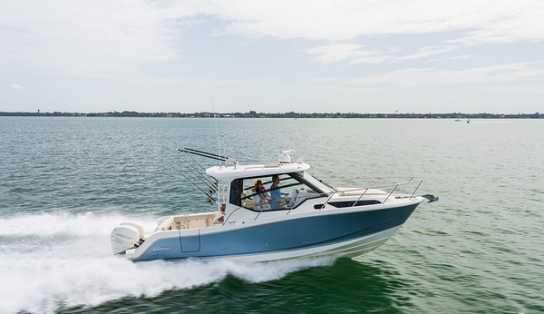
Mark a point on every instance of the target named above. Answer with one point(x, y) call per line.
point(66, 182)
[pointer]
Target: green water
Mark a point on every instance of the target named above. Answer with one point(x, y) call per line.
point(66, 182)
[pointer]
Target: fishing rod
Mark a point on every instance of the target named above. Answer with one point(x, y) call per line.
point(190, 151)
point(210, 198)
point(206, 180)
point(203, 154)
point(200, 177)
point(199, 164)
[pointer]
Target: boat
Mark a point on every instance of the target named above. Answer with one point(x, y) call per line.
point(295, 215)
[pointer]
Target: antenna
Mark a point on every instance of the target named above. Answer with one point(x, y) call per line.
point(216, 130)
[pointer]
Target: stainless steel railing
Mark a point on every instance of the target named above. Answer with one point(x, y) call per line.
point(394, 187)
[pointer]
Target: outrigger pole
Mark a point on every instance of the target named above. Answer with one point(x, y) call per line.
point(208, 155)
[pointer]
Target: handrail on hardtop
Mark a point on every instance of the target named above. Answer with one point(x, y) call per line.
point(394, 185)
point(381, 186)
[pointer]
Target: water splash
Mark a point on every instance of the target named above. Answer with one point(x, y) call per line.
point(51, 261)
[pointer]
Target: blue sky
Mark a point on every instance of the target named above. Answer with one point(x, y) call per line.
point(272, 56)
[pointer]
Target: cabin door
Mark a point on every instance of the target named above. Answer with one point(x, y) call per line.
point(190, 243)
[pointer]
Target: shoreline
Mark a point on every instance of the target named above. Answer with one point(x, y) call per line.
point(290, 115)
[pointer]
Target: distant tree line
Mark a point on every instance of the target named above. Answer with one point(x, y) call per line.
point(291, 114)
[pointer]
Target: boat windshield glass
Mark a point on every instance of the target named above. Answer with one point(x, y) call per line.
point(316, 183)
point(276, 192)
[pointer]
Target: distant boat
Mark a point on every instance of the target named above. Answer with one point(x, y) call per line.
point(312, 219)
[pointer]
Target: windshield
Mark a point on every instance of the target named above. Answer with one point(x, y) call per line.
point(316, 183)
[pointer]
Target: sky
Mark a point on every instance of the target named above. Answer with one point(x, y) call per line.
point(384, 56)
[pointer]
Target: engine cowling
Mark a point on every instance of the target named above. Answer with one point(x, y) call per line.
point(124, 237)
point(135, 225)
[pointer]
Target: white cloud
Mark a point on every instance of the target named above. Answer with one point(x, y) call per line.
point(341, 90)
point(114, 39)
point(155, 53)
point(428, 51)
point(431, 76)
point(355, 54)
point(344, 51)
point(322, 80)
point(17, 86)
point(85, 39)
point(518, 89)
point(484, 21)
point(461, 57)
point(334, 20)
point(505, 22)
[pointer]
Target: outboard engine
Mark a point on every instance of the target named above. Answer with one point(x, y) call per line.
point(127, 235)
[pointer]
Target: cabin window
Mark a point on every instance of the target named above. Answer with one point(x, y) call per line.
point(236, 192)
point(291, 191)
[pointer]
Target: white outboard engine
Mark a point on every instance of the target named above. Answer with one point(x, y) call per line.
point(126, 236)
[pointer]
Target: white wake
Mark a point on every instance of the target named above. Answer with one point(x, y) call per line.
point(53, 260)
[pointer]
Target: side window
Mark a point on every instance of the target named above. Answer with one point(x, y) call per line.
point(236, 192)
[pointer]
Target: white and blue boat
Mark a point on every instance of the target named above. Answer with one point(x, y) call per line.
point(312, 218)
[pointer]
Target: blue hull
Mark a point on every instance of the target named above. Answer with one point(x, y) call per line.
point(281, 236)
